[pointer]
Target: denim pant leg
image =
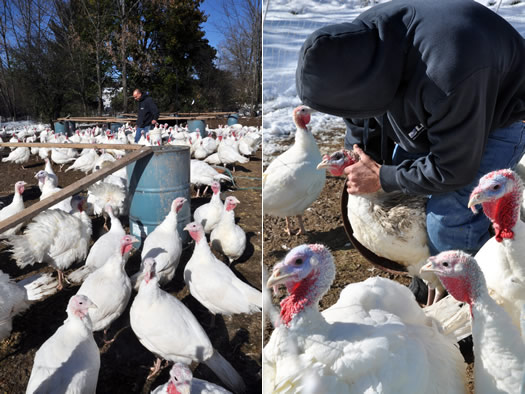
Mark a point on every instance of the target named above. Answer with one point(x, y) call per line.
point(450, 224)
point(139, 132)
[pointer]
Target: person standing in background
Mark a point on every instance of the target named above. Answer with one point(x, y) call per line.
point(148, 114)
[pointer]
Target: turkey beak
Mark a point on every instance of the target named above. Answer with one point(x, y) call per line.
point(428, 267)
point(134, 240)
point(324, 164)
point(475, 199)
point(91, 305)
point(277, 278)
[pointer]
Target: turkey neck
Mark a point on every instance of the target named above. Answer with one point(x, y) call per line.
point(149, 291)
point(228, 218)
point(202, 247)
point(170, 222)
point(510, 231)
point(504, 213)
point(17, 198)
point(304, 140)
point(306, 294)
point(77, 325)
point(216, 199)
point(116, 226)
point(495, 338)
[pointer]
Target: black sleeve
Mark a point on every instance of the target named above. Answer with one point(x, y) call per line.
point(458, 129)
point(355, 134)
point(153, 109)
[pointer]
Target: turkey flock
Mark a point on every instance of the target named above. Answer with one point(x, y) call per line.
point(90, 263)
point(374, 337)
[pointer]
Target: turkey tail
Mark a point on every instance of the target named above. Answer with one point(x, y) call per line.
point(243, 160)
point(78, 275)
point(39, 286)
point(22, 251)
point(218, 177)
point(226, 373)
point(254, 297)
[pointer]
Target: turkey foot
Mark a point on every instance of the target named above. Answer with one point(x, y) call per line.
point(157, 367)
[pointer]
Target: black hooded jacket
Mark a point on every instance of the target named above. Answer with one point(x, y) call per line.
point(446, 73)
point(147, 111)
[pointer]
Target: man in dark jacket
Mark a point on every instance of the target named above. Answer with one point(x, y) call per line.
point(444, 81)
point(148, 113)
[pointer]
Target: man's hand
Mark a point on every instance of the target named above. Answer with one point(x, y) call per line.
point(363, 176)
point(154, 121)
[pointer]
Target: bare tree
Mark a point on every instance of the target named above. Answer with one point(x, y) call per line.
point(123, 14)
point(98, 14)
point(7, 85)
point(241, 52)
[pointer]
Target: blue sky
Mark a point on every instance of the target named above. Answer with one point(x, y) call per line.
point(214, 10)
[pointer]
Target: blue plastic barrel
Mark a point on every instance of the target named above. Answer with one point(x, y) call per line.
point(233, 119)
point(153, 183)
point(60, 128)
point(115, 126)
point(195, 124)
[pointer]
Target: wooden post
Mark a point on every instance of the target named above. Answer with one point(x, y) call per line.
point(81, 184)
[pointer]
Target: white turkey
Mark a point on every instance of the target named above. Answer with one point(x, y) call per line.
point(182, 382)
point(352, 346)
point(500, 194)
point(392, 225)
point(164, 245)
point(292, 182)
point(16, 206)
point(167, 328)
point(69, 361)
point(209, 214)
point(49, 168)
point(101, 250)
point(228, 237)
point(18, 156)
point(109, 287)
point(16, 297)
point(54, 237)
point(249, 144)
point(84, 162)
point(49, 187)
point(213, 159)
point(202, 173)
point(229, 154)
point(63, 156)
point(499, 350)
point(213, 284)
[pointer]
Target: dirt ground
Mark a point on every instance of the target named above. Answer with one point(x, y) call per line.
point(323, 223)
point(125, 363)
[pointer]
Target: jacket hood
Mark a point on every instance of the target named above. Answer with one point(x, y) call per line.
point(352, 69)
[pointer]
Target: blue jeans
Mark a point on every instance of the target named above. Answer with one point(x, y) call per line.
point(139, 132)
point(450, 224)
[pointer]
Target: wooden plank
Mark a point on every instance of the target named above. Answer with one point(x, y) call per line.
point(72, 145)
point(196, 113)
point(182, 116)
point(68, 191)
point(97, 120)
